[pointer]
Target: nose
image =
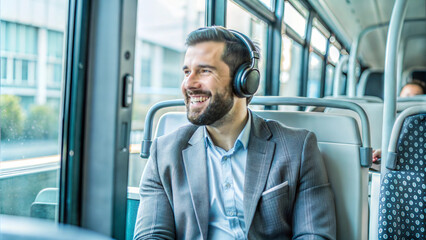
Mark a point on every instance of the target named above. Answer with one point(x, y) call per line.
point(191, 81)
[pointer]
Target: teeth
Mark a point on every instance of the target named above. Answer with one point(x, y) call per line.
point(198, 99)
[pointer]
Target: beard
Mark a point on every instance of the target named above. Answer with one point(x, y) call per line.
point(220, 104)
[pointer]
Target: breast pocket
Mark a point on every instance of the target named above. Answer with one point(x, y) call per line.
point(273, 218)
point(275, 191)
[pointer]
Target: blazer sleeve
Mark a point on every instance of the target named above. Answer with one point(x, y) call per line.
point(314, 210)
point(155, 215)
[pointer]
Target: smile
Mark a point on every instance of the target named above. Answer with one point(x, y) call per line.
point(199, 99)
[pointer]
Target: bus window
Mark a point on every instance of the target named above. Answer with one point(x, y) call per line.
point(329, 77)
point(295, 16)
point(32, 70)
point(240, 20)
point(318, 40)
point(268, 3)
point(291, 54)
point(314, 75)
point(333, 58)
point(160, 49)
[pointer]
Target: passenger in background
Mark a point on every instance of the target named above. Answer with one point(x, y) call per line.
point(232, 174)
point(412, 88)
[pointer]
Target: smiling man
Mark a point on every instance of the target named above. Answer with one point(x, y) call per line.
point(231, 174)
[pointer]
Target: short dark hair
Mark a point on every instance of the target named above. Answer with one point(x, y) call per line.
point(418, 83)
point(235, 53)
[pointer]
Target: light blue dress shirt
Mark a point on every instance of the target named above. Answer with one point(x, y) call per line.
point(226, 186)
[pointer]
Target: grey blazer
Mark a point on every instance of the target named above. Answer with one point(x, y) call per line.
point(286, 190)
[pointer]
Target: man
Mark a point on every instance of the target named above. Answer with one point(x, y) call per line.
point(231, 175)
point(413, 88)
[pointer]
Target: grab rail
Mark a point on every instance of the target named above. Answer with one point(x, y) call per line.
point(365, 149)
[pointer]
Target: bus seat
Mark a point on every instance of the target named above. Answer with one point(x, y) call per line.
point(374, 113)
point(404, 103)
point(339, 141)
point(45, 204)
point(372, 85)
point(132, 211)
point(403, 190)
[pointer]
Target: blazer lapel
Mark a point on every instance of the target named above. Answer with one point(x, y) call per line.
point(259, 159)
point(194, 159)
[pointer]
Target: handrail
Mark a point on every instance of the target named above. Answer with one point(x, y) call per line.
point(302, 101)
point(146, 142)
point(398, 124)
point(391, 160)
point(389, 105)
point(365, 149)
point(338, 74)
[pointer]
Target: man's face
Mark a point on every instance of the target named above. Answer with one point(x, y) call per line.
point(207, 84)
point(410, 90)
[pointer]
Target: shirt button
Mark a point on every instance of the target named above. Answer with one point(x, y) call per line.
point(227, 186)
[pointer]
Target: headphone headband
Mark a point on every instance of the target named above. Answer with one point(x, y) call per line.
point(254, 55)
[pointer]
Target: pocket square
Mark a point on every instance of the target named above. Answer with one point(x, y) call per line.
point(281, 185)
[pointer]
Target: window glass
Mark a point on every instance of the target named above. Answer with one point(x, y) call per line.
point(314, 75)
point(318, 40)
point(329, 78)
point(162, 28)
point(268, 3)
point(242, 21)
point(3, 68)
point(290, 67)
point(54, 46)
point(291, 54)
point(333, 54)
point(295, 19)
point(30, 111)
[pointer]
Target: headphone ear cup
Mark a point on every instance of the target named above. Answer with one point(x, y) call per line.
point(238, 80)
point(246, 81)
point(251, 82)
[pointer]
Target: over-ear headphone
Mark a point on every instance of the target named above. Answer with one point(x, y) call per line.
point(247, 77)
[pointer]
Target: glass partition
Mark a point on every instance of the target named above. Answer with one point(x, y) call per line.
point(33, 35)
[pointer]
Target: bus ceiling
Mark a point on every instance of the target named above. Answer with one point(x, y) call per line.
point(366, 15)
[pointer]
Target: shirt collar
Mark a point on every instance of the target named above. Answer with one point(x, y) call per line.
point(243, 138)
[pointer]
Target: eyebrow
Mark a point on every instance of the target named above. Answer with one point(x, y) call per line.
point(201, 66)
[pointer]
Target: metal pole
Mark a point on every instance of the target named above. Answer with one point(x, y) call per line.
point(362, 82)
point(338, 74)
point(389, 108)
point(350, 92)
point(400, 65)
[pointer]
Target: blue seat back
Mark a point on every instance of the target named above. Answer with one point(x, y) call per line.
point(402, 212)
